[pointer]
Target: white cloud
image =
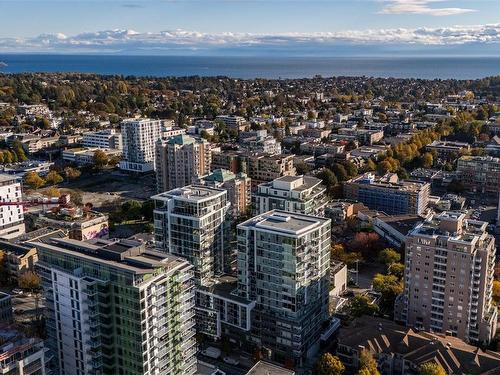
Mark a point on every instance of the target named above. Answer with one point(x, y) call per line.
point(421, 7)
point(127, 40)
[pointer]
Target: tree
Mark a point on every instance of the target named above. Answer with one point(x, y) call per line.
point(29, 281)
point(52, 192)
point(3, 268)
point(329, 364)
point(100, 159)
point(33, 180)
point(427, 160)
point(367, 364)
point(397, 269)
point(389, 286)
point(302, 168)
point(389, 256)
point(431, 368)
point(338, 252)
point(132, 210)
point(340, 172)
point(496, 292)
point(361, 305)
point(72, 173)
point(53, 178)
point(329, 178)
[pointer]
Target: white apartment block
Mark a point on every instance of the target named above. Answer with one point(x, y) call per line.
point(11, 214)
point(108, 138)
point(299, 194)
point(448, 281)
point(139, 137)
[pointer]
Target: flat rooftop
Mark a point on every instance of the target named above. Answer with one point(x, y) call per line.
point(267, 368)
point(190, 193)
point(284, 222)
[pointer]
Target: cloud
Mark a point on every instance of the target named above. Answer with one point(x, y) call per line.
point(122, 40)
point(420, 7)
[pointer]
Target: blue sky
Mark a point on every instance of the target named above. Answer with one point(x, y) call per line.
point(86, 26)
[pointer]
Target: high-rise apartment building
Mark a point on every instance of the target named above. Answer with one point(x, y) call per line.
point(449, 278)
point(479, 173)
point(389, 194)
point(180, 160)
point(117, 307)
point(238, 186)
point(301, 194)
point(139, 137)
point(11, 213)
point(193, 222)
point(284, 265)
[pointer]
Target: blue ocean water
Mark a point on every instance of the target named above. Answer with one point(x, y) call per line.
point(256, 67)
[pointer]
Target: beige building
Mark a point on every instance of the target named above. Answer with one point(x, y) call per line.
point(479, 173)
point(180, 161)
point(238, 188)
point(448, 280)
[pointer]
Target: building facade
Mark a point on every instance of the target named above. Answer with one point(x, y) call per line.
point(180, 161)
point(11, 213)
point(389, 194)
point(108, 138)
point(238, 186)
point(20, 354)
point(284, 265)
point(479, 174)
point(139, 137)
point(448, 279)
point(193, 222)
point(117, 307)
point(300, 194)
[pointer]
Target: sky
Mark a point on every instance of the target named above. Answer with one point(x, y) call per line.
point(212, 27)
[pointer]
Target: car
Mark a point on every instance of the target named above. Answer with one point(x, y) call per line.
point(17, 291)
point(231, 361)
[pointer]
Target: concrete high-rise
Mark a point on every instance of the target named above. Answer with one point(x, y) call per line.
point(139, 137)
point(301, 194)
point(117, 307)
point(284, 265)
point(180, 161)
point(448, 279)
point(193, 222)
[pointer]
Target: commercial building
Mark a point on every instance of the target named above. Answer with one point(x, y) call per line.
point(117, 307)
point(300, 194)
point(448, 279)
point(108, 138)
point(18, 259)
point(284, 265)
point(180, 161)
point(479, 174)
point(20, 354)
point(401, 351)
point(238, 187)
point(80, 223)
point(389, 194)
point(193, 222)
point(11, 213)
point(237, 123)
point(447, 150)
point(139, 137)
point(85, 156)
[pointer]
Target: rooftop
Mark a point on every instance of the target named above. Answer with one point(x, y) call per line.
point(196, 193)
point(267, 368)
point(285, 222)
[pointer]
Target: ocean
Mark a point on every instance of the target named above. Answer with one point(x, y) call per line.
point(256, 67)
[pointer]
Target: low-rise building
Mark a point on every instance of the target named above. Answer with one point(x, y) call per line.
point(20, 354)
point(447, 150)
point(401, 351)
point(85, 156)
point(389, 194)
point(479, 174)
point(19, 258)
point(108, 138)
point(268, 368)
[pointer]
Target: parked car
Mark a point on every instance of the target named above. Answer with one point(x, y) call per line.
point(231, 361)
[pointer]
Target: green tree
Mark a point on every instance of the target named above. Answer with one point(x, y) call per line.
point(53, 178)
point(339, 252)
point(427, 160)
point(496, 292)
point(340, 172)
point(33, 180)
point(431, 368)
point(132, 210)
point(329, 364)
point(328, 177)
point(100, 159)
point(397, 269)
point(361, 305)
point(389, 256)
point(389, 286)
